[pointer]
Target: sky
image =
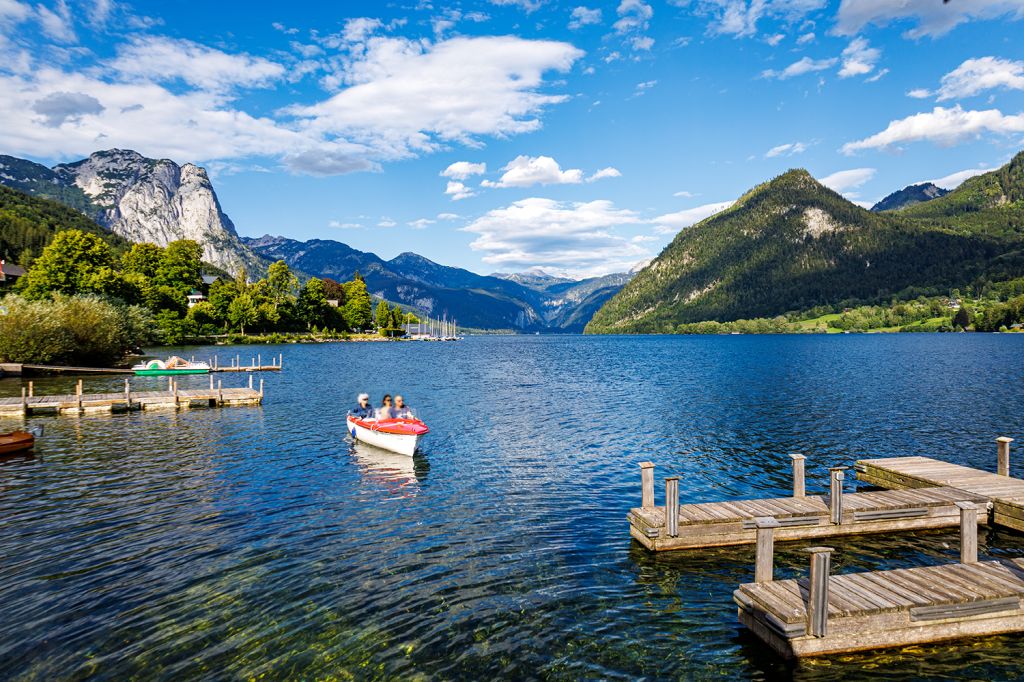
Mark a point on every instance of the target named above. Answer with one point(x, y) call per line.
point(508, 135)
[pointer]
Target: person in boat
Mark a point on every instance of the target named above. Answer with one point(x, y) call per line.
point(401, 410)
point(386, 411)
point(363, 409)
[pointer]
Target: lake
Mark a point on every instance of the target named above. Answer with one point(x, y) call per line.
point(239, 542)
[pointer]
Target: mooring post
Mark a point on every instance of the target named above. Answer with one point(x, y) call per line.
point(798, 475)
point(261, 389)
point(1003, 468)
point(764, 556)
point(238, 360)
point(31, 389)
point(968, 532)
point(24, 400)
point(78, 394)
point(211, 382)
point(252, 363)
point(817, 603)
point(127, 394)
point(259, 360)
point(250, 381)
point(672, 506)
point(220, 392)
point(170, 384)
point(280, 360)
point(647, 485)
point(836, 493)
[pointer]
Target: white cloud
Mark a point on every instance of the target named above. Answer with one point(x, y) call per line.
point(684, 193)
point(448, 216)
point(526, 171)
point(930, 18)
point(805, 38)
point(977, 75)
point(844, 181)
point(564, 236)
point(941, 126)
point(386, 222)
point(583, 16)
point(634, 19)
point(642, 88)
point(788, 149)
point(458, 191)
point(421, 223)
point(529, 6)
point(641, 43)
point(409, 97)
point(775, 39)
point(278, 26)
point(13, 12)
point(879, 74)
point(859, 58)
point(57, 23)
point(608, 172)
point(953, 180)
point(159, 59)
point(60, 107)
point(460, 170)
point(739, 18)
point(919, 93)
point(345, 226)
point(673, 222)
point(799, 68)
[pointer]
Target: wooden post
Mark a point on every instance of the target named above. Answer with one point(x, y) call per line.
point(238, 360)
point(672, 506)
point(31, 389)
point(817, 602)
point(798, 475)
point(1004, 455)
point(280, 360)
point(24, 400)
point(259, 360)
point(211, 382)
point(764, 557)
point(170, 384)
point(252, 363)
point(647, 485)
point(261, 388)
point(127, 394)
point(220, 393)
point(250, 381)
point(968, 532)
point(836, 493)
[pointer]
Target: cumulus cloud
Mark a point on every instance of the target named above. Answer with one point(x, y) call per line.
point(978, 75)
point(528, 6)
point(583, 16)
point(386, 222)
point(799, 68)
point(859, 58)
point(448, 216)
point(420, 224)
point(941, 126)
point(929, 18)
point(526, 171)
point(572, 237)
point(844, 181)
point(634, 20)
point(739, 18)
point(608, 172)
point(160, 59)
point(457, 191)
point(788, 149)
point(460, 170)
point(919, 93)
point(673, 222)
point(953, 180)
point(60, 107)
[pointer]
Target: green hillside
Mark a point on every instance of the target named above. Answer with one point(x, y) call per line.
point(792, 244)
point(28, 223)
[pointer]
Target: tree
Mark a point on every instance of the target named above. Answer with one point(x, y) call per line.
point(181, 267)
point(383, 316)
point(242, 311)
point(143, 259)
point(334, 291)
point(312, 305)
point(281, 283)
point(358, 307)
point(67, 265)
point(962, 318)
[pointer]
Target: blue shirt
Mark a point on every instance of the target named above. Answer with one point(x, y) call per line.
point(361, 412)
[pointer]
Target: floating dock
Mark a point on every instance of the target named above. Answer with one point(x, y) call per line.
point(124, 401)
point(714, 524)
point(234, 365)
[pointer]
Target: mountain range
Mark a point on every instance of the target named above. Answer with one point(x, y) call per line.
point(523, 302)
point(908, 196)
point(792, 244)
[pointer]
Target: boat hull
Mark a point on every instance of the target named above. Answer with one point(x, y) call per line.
point(15, 442)
point(163, 372)
point(400, 443)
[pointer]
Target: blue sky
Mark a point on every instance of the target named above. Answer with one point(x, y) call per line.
point(508, 134)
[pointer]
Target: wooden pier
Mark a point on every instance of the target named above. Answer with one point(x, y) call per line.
point(825, 614)
point(235, 364)
point(712, 524)
point(173, 398)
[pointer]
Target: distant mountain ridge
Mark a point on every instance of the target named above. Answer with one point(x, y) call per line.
point(479, 301)
point(908, 196)
point(791, 244)
point(140, 199)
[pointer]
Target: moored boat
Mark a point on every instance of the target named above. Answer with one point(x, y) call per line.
point(173, 365)
point(397, 435)
point(15, 442)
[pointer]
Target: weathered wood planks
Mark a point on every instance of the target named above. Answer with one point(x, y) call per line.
point(175, 398)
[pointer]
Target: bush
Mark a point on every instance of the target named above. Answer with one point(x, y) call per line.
point(82, 330)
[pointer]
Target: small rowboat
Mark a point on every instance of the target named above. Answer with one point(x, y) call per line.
point(397, 435)
point(15, 442)
point(174, 365)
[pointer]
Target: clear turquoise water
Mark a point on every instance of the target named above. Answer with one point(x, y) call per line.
point(235, 543)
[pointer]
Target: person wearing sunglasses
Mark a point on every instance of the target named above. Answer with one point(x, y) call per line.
point(362, 409)
point(386, 411)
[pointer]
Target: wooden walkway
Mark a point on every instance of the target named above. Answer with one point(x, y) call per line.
point(799, 517)
point(173, 398)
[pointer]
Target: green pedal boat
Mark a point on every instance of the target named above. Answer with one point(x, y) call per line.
point(173, 365)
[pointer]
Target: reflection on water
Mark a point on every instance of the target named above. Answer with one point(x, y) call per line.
point(245, 542)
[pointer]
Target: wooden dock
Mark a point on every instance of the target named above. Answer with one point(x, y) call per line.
point(128, 400)
point(825, 614)
point(712, 524)
point(235, 364)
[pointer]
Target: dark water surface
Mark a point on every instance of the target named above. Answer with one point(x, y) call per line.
point(248, 542)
